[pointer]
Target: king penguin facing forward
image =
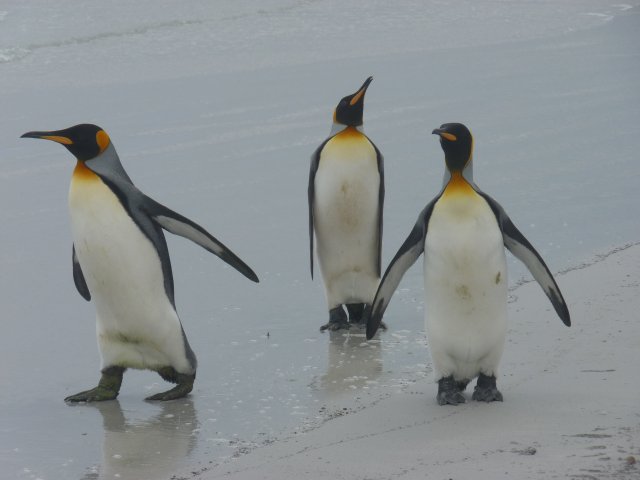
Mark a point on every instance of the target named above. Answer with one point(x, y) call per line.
point(346, 195)
point(463, 232)
point(121, 262)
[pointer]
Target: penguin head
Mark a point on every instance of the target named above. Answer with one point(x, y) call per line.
point(457, 142)
point(84, 141)
point(349, 110)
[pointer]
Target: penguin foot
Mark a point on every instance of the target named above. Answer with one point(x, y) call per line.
point(97, 394)
point(449, 392)
point(462, 384)
point(107, 389)
point(356, 312)
point(337, 320)
point(486, 390)
point(182, 389)
point(179, 391)
point(335, 326)
point(359, 314)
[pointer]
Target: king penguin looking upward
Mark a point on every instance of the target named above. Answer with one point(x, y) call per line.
point(463, 232)
point(121, 261)
point(346, 193)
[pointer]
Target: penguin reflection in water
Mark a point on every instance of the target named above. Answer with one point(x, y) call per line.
point(463, 232)
point(346, 193)
point(121, 262)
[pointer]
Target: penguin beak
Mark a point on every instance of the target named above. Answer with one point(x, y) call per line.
point(49, 136)
point(446, 135)
point(359, 95)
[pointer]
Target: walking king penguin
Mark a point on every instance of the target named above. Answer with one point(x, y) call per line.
point(121, 261)
point(346, 193)
point(463, 232)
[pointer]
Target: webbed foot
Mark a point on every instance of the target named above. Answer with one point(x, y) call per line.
point(179, 391)
point(182, 389)
point(449, 392)
point(486, 390)
point(107, 389)
point(337, 320)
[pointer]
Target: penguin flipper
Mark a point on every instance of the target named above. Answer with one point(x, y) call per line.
point(179, 225)
point(78, 277)
point(311, 192)
point(380, 160)
point(406, 256)
point(522, 249)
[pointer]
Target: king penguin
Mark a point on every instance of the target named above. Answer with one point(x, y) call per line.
point(346, 195)
point(121, 262)
point(463, 232)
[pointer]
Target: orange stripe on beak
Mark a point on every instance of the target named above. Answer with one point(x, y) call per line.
point(58, 139)
point(357, 97)
point(449, 136)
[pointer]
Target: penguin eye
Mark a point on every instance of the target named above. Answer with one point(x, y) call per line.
point(343, 103)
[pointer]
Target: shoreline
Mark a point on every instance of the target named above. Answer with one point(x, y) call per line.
point(570, 406)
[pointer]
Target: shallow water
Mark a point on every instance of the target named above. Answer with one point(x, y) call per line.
point(215, 114)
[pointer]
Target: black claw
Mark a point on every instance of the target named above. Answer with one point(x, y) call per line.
point(486, 390)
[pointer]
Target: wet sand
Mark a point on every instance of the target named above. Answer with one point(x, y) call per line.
point(570, 410)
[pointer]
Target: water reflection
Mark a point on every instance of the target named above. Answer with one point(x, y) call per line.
point(353, 363)
point(147, 448)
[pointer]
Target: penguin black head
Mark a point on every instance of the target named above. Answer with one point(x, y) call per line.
point(457, 142)
point(84, 141)
point(349, 110)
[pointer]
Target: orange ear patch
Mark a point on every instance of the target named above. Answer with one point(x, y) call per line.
point(103, 140)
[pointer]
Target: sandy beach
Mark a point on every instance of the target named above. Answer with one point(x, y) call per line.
point(571, 406)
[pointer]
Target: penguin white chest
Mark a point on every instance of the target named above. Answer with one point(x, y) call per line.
point(137, 325)
point(346, 212)
point(119, 262)
point(347, 184)
point(466, 286)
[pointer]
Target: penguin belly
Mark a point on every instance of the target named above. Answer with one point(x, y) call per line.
point(465, 288)
point(137, 326)
point(346, 208)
